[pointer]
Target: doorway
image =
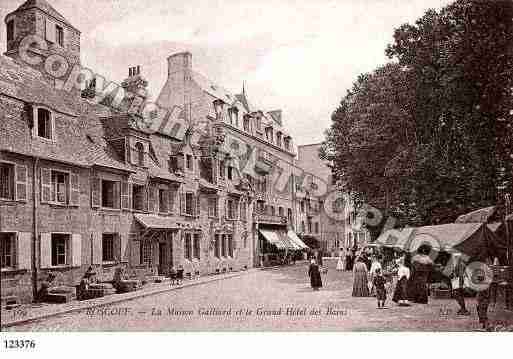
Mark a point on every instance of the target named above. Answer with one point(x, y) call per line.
point(163, 259)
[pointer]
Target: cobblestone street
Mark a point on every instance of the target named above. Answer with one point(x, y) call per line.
point(253, 302)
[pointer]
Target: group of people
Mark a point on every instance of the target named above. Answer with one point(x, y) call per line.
point(347, 258)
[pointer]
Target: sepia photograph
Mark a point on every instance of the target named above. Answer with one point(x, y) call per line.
point(270, 166)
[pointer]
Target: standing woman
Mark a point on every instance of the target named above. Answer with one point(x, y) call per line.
point(341, 259)
point(348, 260)
point(360, 279)
point(315, 275)
point(403, 274)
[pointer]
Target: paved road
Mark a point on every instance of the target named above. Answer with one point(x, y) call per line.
point(264, 300)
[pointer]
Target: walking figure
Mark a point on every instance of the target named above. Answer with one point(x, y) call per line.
point(378, 283)
point(315, 275)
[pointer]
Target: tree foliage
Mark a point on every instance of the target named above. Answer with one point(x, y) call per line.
point(428, 136)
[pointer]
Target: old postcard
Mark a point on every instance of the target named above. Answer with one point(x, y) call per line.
point(284, 166)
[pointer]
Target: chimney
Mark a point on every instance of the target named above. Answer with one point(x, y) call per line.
point(135, 85)
point(180, 63)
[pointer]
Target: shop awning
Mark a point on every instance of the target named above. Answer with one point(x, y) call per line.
point(279, 238)
point(150, 221)
point(296, 240)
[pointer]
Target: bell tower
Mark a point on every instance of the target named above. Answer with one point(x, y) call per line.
point(56, 35)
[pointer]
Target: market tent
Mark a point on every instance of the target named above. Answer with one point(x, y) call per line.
point(472, 239)
point(482, 215)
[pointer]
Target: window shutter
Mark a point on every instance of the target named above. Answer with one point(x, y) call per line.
point(125, 195)
point(96, 194)
point(46, 250)
point(76, 250)
point(123, 248)
point(182, 203)
point(171, 200)
point(117, 195)
point(74, 189)
point(165, 199)
point(46, 185)
point(21, 182)
point(50, 30)
point(24, 251)
point(152, 202)
point(97, 248)
point(198, 206)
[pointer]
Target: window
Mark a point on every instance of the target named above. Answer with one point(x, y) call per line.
point(44, 124)
point(163, 201)
point(303, 226)
point(243, 211)
point(230, 173)
point(223, 246)
point(59, 35)
point(10, 30)
point(246, 124)
point(222, 169)
point(110, 194)
point(60, 249)
point(139, 149)
point(234, 116)
point(213, 207)
point(6, 181)
point(60, 187)
point(287, 143)
point(189, 162)
point(173, 164)
point(289, 215)
point(138, 197)
point(273, 212)
point(278, 139)
point(188, 246)
point(269, 134)
point(145, 252)
point(229, 239)
point(217, 246)
point(231, 211)
point(108, 240)
point(8, 250)
point(309, 221)
point(197, 246)
point(280, 211)
point(316, 227)
point(302, 206)
point(189, 203)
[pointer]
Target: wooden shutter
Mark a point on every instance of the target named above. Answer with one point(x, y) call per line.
point(50, 30)
point(182, 203)
point(96, 194)
point(76, 250)
point(117, 195)
point(74, 184)
point(125, 195)
point(46, 250)
point(123, 248)
point(46, 185)
point(21, 182)
point(197, 211)
point(152, 200)
point(97, 249)
point(24, 250)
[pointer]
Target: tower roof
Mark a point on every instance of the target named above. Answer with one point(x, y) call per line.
point(44, 6)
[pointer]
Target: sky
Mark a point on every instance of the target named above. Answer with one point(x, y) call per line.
point(300, 56)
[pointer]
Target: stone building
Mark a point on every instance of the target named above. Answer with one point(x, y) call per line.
point(83, 183)
point(336, 224)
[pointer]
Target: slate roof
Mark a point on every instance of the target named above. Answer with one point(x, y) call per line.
point(213, 89)
point(80, 135)
point(44, 6)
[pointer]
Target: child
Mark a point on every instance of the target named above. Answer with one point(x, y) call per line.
point(379, 285)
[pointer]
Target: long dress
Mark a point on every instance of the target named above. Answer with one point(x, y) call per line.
point(349, 265)
point(422, 267)
point(400, 292)
point(340, 262)
point(315, 276)
point(360, 281)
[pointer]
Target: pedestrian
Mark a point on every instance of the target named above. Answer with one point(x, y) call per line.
point(349, 265)
point(360, 279)
point(376, 264)
point(341, 260)
point(179, 275)
point(403, 274)
point(315, 275)
point(319, 258)
point(172, 275)
point(458, 284)
point(483, 296)
point(379, 284)
point(422, 267)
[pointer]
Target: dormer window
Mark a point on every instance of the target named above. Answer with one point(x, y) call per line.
point(269, 134)
point(43, 124)
point(234, 116)
point(189, 162)
point(10, 31)
point(287, 143)
point(246, 124)
point(139, 148)
point(218, 108)
point(59, 35)
point(278, 139)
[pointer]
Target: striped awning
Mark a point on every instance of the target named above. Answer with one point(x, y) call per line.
point(282, 239)
point(296, 240)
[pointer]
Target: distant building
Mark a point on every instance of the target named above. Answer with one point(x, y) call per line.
point(337, 224)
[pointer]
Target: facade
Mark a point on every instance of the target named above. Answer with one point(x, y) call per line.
point(83, 184)
point(338, 226)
